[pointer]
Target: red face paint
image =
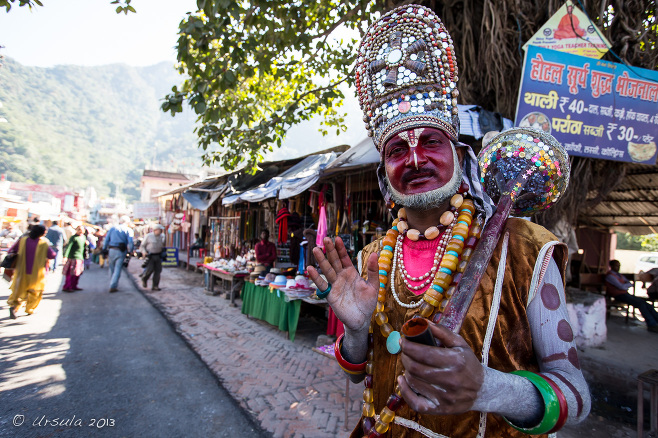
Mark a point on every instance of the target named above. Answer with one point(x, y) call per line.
point(433, 159)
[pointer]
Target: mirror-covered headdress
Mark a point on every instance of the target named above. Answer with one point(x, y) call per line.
point(406, 75)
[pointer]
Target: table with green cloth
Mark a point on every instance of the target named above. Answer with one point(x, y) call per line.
point(271, 306)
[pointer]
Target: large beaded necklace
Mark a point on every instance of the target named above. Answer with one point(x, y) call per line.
point(462, 233)
point(398, 260)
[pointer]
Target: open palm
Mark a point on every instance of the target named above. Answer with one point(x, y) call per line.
point(352, 299)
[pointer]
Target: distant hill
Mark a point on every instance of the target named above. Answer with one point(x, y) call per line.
point(100, 126)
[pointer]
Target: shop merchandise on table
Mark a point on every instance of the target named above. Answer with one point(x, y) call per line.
point(232, 266)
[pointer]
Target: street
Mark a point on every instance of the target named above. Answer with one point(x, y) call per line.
point(91, 363)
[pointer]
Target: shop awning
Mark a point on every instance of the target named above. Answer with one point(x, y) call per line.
point(289, 183)
point(203, 194)
point(200, 200)
point(209, 184)
point(362, 153)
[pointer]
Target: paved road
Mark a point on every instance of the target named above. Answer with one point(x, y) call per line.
point(93, 363)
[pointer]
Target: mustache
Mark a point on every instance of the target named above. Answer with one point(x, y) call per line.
point(413, 174)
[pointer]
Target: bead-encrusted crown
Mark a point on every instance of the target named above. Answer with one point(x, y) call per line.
point(406, 74)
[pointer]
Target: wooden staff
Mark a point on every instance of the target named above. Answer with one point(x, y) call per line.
point(457, 308)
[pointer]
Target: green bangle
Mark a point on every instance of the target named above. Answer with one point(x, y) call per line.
point(551, 404)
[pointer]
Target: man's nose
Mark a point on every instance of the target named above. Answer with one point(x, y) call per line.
point(416, 157)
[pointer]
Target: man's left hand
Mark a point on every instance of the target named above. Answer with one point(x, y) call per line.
point(440, 380)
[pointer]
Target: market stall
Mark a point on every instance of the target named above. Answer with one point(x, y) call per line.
point(230, 282)
point(277, 300)
point(230, 273)
point(270, 305)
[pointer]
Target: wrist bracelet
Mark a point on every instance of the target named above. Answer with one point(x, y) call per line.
point(564, 407)
point(346, 366)
point(551, 404)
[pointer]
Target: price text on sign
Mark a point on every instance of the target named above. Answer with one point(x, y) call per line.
point(596, 109)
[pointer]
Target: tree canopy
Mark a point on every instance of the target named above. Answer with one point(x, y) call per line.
point(256, 68)
point(123, 5)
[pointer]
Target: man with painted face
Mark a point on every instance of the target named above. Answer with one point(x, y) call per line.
point(513, 367)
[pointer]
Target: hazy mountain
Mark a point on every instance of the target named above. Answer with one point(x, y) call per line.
point(100, 126)
point(79, 126)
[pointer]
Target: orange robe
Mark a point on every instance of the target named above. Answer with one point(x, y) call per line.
point(511, 346)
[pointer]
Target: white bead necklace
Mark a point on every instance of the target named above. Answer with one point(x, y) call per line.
point(398, 250)
point(428, 275)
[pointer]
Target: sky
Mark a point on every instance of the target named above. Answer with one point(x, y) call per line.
point(91, 33)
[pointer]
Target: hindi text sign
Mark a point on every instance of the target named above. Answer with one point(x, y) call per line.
point(596, 109)
point(172, 257)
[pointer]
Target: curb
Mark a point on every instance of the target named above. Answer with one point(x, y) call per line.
point(253, 419)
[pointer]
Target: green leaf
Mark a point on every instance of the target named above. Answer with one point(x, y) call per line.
point(200, 108)
point(230, 77)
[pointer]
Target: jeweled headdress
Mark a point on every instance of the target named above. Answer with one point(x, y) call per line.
point(406, 75)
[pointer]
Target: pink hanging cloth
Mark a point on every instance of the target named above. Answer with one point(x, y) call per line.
point(322, 222)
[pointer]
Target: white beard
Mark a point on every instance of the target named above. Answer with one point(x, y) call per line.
point(432, 198)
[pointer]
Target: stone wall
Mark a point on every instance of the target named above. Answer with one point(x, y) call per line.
point(587, 312)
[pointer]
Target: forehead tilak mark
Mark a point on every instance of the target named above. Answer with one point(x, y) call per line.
point(411, 136)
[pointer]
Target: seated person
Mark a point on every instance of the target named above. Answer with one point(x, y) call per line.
point(265, 250)
point(651, 276)
point(617, 286)
point(198, 243)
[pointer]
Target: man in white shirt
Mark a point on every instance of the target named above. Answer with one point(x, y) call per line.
point(153, 247)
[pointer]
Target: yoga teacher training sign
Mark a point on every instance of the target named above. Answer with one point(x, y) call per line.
point(595, 108)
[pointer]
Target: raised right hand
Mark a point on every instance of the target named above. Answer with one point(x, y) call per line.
point(352, 299)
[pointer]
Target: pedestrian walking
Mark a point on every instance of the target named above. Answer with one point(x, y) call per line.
point(97, 254)
point(56, 237)
point(92, 241)
point(69, 231)
point(29, 279)
point(117, 242)
point(153, 247)
point(74, 253)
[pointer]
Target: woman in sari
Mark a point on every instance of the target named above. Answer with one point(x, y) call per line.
point(30, 273)
point(75, 262)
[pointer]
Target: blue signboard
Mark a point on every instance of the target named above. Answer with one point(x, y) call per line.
point(595, 108)
point(172, 257)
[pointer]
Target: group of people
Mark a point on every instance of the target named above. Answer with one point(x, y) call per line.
point(47, 245)
point(510, 367)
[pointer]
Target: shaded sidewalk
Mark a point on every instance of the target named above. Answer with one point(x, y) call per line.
point(91, 363)
point(294, 392)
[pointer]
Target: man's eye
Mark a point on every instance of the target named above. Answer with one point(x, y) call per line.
point(395, 151)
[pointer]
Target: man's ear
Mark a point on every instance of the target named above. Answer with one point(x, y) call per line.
point(460, 154)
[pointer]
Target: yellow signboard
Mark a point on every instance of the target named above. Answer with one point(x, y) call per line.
point(569, 30)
